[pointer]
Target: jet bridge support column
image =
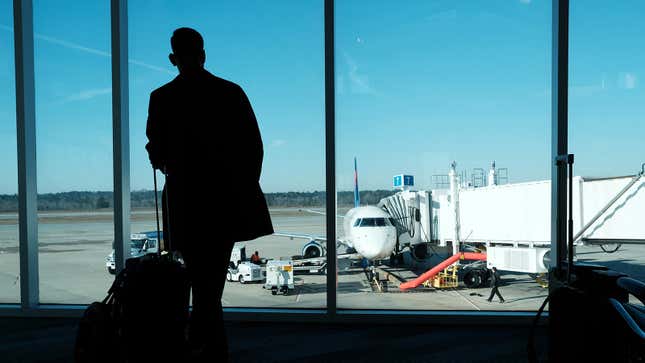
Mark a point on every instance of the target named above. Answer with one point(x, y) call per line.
point(454, 202)
point(492, 175)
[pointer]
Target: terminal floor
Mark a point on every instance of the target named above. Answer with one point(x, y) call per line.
point(31, 340)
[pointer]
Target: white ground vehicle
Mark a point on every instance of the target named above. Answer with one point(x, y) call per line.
point(279, 276)
point(244, 272)
point(140, 244)
point(240, 269)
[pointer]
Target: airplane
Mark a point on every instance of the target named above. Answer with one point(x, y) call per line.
point(369, 231)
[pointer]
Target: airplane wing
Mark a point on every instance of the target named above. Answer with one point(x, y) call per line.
point(302, 236)
point(310, 237)
point(318, 212)
point(346, 255)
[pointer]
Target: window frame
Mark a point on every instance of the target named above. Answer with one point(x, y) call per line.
point(26, 135)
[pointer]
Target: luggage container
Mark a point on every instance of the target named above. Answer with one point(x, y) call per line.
point(279, 276)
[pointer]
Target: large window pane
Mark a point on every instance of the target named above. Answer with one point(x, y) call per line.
point(9, 257)
point(421, 85)
point(274, 51)
point(606, 113)
point(74, 148)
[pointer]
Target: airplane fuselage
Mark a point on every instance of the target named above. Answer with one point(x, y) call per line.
point(370, 231)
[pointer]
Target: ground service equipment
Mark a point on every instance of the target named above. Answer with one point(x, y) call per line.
point(279, 276)
point(244, 272)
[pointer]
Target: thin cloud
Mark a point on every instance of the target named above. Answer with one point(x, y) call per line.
point(150, 66)
point(278, 143)
point(70, 45)
point(340, 84)
point(585, 90)
point(359, 83)
point(74, 46)
point(88, 94)
point(589, 89)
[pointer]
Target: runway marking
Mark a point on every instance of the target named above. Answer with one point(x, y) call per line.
point(468, 300)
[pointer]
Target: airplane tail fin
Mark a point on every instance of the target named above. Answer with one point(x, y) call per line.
point(357, 196)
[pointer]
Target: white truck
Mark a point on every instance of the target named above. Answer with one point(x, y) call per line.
point(242, 270)
point(140, 244)
point(279, 276)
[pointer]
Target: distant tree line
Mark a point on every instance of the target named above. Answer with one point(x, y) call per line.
point(317, 199)
point(146, 199)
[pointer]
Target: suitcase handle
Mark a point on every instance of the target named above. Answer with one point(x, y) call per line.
point(167, 239)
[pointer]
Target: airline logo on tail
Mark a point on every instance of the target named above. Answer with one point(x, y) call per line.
point(357, 196)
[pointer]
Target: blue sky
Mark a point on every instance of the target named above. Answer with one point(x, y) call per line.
point(418, 85)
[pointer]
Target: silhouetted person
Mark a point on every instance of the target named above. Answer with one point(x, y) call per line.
point(255, 258)
point(495, 281)
point(203, 134)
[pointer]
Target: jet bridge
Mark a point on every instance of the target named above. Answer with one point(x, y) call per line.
point(512, 221)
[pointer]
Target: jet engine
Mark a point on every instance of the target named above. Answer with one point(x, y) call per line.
point(313, 249)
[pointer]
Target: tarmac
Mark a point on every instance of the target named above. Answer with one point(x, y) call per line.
point(73, 251)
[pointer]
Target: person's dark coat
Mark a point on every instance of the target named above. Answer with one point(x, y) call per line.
point(495, 279)
point(202, 131)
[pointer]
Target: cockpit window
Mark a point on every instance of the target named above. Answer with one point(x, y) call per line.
point(357, 222)
point(368, 222)
point(373, 222)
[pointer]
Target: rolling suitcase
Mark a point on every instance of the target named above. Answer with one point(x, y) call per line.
point(144, 316)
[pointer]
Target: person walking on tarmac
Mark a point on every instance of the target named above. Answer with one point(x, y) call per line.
point(203, 134)
point(495, 281)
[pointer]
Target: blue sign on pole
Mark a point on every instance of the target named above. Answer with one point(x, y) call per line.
point(403, 180)
point(408, 180)
point(398, 180)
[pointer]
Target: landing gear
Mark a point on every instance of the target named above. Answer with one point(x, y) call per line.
point(396, 259)
point(369, 273)
point(373, 279)
point(419, 251)
point(473, 279)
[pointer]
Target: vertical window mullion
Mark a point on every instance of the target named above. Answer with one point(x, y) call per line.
point(559, 133)
point(330, 158)
point(26, 135)
point(120, 132)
